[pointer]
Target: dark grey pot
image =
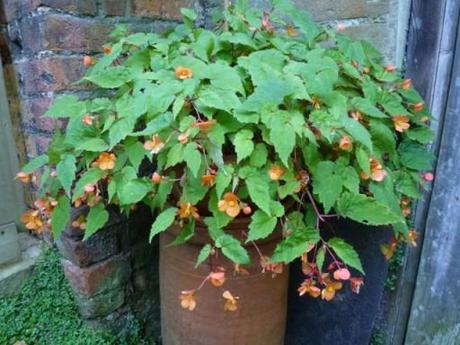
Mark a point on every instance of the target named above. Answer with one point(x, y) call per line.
point(349, 318)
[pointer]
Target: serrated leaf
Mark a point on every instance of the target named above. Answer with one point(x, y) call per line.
point(136, 153)
point(193, 158)
point(60, 216)
point(366, 210)
point(358, 132)
point(320, 255)
point(186, 233)
point(93, 145)
point(346, 253)
point(363, 160)
point(423, 135)
point(415, 156)
point(66, 106)
point(97, 218)
point(35, 164)
point(297, 243)
point(261, 225)
point(175, 155)
point(259, 155)
point(218, 99)
point(233, 249)
point(258, 189)
point(224, 77)
point(120, 130)
point(327, 184)
point(223, 179)
point(111, 77)
point(203, 255)
point(133, 191)
point(365, 106)
point(66, 170)
point(243, 144)
point(163, 221)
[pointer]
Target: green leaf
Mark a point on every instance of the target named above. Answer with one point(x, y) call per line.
point(259, 156)
point(258, 188)
point(363, 160)
point(263, 65)
point(203, 255)
point(297, 243)
point(283, 129)
point(366, 210)
point(423, 135)
point(93, 145)
point(218, 99)
point(66, 170)
point(186, 233)
point(175, 155)
point(346, 253)
point(358, 132)
point(60, 216)
point(327, 184)
point(133, 191)
point(415, 156)
point(35, 164)
point(192, 157)
point(91, 176)
point(97, 218)
point(223, 77)
point(120, 130)
point(136, 153)
point(233, 249)
point(243, 144)
point(66, 106)
point(261, 225)
point(223, 179)
point(111, 77)
point(383, 137)
point(365, 106)
point(189, 13)
point(163, 221)
point(320, 258)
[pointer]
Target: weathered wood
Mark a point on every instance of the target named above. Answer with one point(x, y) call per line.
point(431, 45)
point(11, 192)
point(435, 312)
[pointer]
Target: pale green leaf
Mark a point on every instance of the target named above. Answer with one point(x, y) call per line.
point(346, 253)
point(163, 221)
point(97, 218)
point(66, 170)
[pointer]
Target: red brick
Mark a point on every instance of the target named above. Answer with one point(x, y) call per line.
point(169, 9)
point(32, 111)
point(114, 7)
point(36, 144)
point(55, 73)
point(103, 276)
point(78, 6)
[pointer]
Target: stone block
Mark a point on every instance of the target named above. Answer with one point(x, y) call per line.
point(10, 250)
point(167, 9)
point(107, 275)
point(114, 7)
point(75, 6)
point(55, 73)
point(100, 305)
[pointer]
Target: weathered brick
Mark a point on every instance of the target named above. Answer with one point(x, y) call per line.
point(60, 32)
point(32, 110)
point(168, 9)
point(114, 7)
point(36, 144)
point(55, 73)
point(100, 305)
point(14, 9)
point(103, 276)
point(77, 6)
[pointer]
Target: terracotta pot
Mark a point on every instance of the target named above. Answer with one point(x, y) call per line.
point(261, 315)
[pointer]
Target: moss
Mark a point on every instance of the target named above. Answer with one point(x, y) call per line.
point(44, 312)
point(394, 268)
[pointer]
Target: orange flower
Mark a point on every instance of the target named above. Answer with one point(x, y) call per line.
point(291, 31)
point(87, 120)
point(230, 205)
point(377, 171)
point(187, 210)
point(356, 283)
point(247, 210)
point(406, 211)
point(308, 287)
point(425, 119)
point(412, 238)
point(187, 300)
point(389, 249)
point(346, 143)
point(155, 145)
point(328, 293)
point(275, 268)
point(208, 180)
point(183, 138)
point(105, 161)
point(45, 205)
point(79, 223)
point(204, 126)
point(390, 68)
point(107, 50)
point(316, 103)
point(428, 176)
point(156, 178)
point(33, 220)
point(342, 274)
point(419, 106)
point(231, 303)
point(401, 123)
point(238, 270)
point(24, 177)
point(407, 84)
point(88, 61)
point(217, 278)
point(276, 172)
point(183, 73)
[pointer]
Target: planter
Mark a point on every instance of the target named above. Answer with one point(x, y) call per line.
point(349, 318)
point(261, 315)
